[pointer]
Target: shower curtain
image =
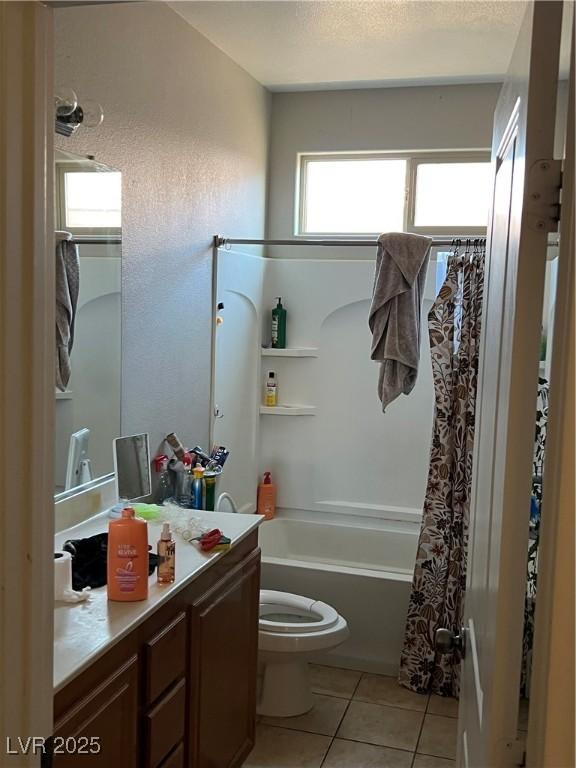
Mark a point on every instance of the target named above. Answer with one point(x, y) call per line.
point(440, 572)
point(534, 535)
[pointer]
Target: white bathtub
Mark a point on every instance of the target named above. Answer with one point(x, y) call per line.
point(363, 568)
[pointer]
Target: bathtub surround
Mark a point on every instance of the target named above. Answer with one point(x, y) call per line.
point(437, 597)
point(401, 267)
point(188, 129)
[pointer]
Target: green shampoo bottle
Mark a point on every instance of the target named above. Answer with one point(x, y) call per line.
point(279, 326)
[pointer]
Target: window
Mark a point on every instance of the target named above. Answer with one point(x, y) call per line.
point(366, 194)
point(89, 202)
point(451, 194)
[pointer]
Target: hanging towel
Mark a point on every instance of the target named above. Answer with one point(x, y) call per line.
point(394, 319)
point(67, 286)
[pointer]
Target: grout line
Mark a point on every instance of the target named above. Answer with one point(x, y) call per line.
point(378, 746)
point(337, 729)
point(420, 733)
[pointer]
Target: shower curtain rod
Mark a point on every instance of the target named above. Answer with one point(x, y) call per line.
point(219, 242)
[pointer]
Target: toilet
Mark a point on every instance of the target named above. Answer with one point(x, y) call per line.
point(290, 627)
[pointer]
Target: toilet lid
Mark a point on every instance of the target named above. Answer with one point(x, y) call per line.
point(285, 612)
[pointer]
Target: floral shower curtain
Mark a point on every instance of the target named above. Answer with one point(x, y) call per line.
point(440, 573)
point(534, 536)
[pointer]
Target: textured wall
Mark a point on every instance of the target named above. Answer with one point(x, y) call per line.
point(188, 128)
point(434, 117)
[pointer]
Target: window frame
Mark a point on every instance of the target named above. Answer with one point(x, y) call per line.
point(413, 159)
point(60, 200)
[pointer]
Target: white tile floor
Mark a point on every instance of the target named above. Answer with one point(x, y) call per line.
point(360, 721)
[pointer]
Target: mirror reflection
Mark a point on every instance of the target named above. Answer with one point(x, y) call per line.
point(132, 465)
point(88, 318)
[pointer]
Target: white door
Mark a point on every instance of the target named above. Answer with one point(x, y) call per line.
point(523, 211)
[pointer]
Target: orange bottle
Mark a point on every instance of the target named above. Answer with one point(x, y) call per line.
point(267, 497)
point(127, 558)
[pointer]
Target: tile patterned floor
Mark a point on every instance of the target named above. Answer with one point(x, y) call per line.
point(360, 721)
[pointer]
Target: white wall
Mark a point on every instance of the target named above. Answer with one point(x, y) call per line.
point(188, 129)
point(430, 118)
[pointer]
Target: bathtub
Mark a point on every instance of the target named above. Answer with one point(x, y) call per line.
point(361, 567)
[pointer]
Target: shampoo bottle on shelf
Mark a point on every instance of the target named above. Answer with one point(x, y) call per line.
point(271, 396)
point(267, 497)
point(127, 573)
point(279, 326)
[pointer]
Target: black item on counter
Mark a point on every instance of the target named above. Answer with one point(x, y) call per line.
point(89, 561)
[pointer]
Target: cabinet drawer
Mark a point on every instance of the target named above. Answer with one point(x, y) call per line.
point(165, 658)
point(165, 725)
point(175, 759)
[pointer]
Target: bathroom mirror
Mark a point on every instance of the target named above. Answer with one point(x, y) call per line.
point(88, 255)
point(132, 467)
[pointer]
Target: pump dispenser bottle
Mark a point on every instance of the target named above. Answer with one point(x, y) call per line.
point(267, 497)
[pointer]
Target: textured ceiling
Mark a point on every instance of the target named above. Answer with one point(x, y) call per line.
point(295, 45)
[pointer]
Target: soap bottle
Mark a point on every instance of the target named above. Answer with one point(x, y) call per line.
point(267, 497)
point(279, 326)
point(127, 572)
point(198, 488)
point(271, 395)
point(166, 556)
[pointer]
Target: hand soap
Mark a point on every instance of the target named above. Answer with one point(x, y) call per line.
point(127, 577)
point(267, 497)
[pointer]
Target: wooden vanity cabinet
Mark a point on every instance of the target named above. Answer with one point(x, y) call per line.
point(180, 690)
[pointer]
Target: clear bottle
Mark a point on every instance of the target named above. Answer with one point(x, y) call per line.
point(166, 556)
point(164, 489)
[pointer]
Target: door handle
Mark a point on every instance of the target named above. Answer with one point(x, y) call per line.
point(446, 641)
point(218, 413)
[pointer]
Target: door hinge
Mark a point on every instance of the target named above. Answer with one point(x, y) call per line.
point(543, 198)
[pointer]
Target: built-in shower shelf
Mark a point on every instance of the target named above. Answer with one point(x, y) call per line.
point(288, 410)
point(290, 352)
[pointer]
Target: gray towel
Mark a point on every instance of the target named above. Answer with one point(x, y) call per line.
point(67, 286)
point(394, 318)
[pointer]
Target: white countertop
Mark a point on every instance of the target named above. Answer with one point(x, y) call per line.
point(84, 631)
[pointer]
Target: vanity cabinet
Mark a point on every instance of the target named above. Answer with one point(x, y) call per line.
point(101, 727)
point(180, 690)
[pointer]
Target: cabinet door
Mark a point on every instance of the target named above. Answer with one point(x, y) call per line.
point(100, 731)
point(224, 648)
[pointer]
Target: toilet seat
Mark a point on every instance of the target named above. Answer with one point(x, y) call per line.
point(291, 623)
point(287, 613)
